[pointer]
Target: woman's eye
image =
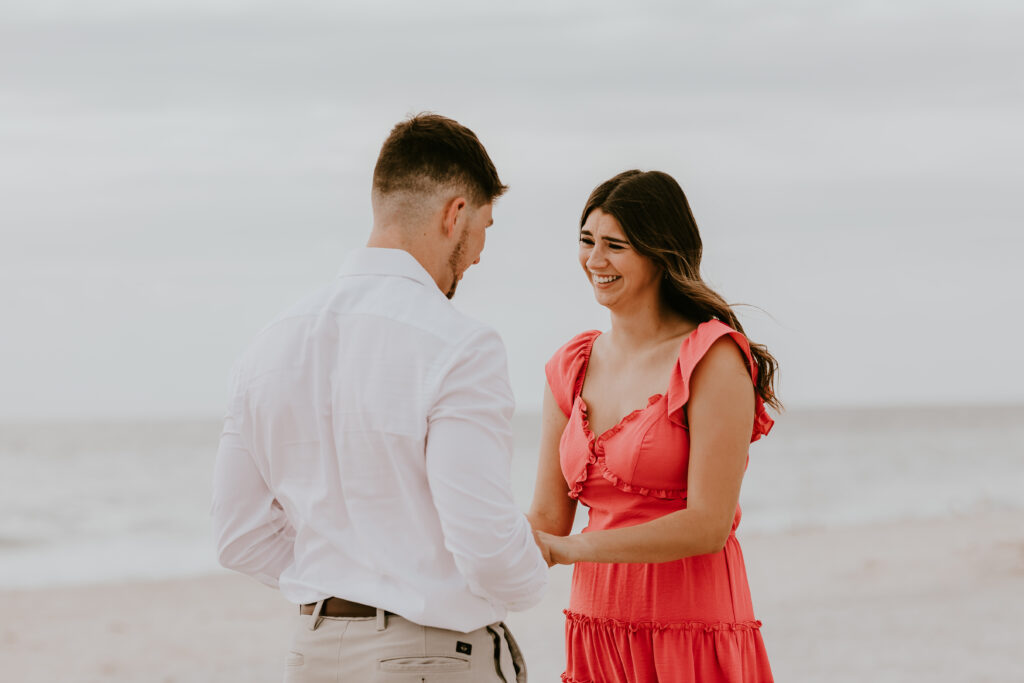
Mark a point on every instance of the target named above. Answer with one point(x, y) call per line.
point(587, 241)
point(616, 247)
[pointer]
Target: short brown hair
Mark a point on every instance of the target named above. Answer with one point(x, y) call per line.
point(428, 149)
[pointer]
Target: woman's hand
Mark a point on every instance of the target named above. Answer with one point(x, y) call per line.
point(556, 549)
point(545, 550)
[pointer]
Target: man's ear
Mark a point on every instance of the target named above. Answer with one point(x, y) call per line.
point(450, 215)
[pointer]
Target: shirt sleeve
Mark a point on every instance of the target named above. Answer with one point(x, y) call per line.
point(250, 528)
point(468, 460)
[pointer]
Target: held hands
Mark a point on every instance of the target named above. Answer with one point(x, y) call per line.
point(554, 549)
point(545, 550)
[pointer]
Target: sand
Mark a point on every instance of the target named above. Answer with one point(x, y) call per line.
point(935, 600)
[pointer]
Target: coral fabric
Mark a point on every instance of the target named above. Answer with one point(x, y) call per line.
point(674, 622)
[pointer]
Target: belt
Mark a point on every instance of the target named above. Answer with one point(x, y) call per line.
point(337, 607)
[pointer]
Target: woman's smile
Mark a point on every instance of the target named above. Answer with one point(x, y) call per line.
point(604, 279)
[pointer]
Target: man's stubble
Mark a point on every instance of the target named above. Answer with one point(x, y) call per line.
point(454, 260)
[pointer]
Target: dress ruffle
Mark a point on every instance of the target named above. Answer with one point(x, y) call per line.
point(692, 350)
point(598, 462)
point(606, 623)
point(564, 371)
point(687, 651)
point(701, 651)
point(763, 422)
point(666, 494)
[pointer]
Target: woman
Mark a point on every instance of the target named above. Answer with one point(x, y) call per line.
point(649, 425)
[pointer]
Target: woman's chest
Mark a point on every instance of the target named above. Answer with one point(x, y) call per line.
point(643, 452)
point(616, 387)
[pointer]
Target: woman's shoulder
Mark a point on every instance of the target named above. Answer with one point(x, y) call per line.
point(579, 345)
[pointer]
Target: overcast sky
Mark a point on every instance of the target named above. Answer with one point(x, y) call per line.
point(174, 174)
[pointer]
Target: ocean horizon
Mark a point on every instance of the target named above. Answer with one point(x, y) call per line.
point(110, 500)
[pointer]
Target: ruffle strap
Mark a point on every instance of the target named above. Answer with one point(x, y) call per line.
point(565, 370)
point(690, 353)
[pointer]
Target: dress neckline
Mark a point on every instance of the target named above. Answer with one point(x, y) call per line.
point(628, 417)
point(608, 433)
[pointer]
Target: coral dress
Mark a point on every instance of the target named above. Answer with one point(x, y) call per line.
point(688, 620)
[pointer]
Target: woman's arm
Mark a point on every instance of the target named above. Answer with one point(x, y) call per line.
point(720, 413)
point(552, 510)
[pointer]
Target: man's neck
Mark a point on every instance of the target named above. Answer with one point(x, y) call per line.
point(398, 238)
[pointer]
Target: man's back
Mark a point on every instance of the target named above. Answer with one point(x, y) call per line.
point(364, 464)
point(372, 420)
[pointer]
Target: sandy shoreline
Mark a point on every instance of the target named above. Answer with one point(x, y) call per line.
point(936, 600)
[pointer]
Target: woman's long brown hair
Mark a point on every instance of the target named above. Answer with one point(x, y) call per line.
point(656, 217)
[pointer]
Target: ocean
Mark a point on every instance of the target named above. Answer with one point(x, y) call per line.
point(86, 502)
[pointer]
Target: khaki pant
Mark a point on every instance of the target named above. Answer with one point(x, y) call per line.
point(390, 649)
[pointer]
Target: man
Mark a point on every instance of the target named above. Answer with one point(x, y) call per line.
point(364, 465)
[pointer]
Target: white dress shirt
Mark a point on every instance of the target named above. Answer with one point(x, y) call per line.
point(366, 454)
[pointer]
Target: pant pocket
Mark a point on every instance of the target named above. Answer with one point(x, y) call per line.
point(425, 664)
point(295, 670)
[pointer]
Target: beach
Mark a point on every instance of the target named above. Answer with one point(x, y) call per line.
point(880, 544)
point(927, 600)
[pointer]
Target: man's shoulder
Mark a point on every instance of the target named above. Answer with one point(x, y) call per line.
point(398, 303)
point(408, 304)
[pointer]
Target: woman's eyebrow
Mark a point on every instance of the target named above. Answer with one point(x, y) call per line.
point(613, 240)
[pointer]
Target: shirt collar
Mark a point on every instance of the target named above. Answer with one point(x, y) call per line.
point(379, 261)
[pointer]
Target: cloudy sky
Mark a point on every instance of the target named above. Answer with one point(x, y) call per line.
point(173, 174)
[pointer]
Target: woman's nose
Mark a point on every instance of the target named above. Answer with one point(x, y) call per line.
point(596, 258)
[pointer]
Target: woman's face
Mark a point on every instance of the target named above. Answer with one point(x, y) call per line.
point(620, 276)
